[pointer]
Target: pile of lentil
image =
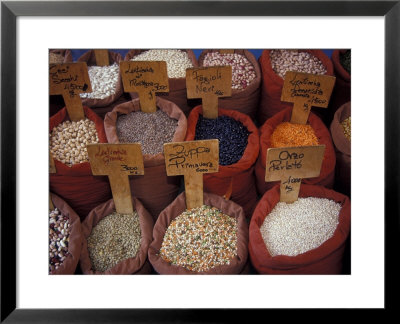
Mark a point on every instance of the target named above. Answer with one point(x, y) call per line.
point(345, 60)
point(151, 130)
point(243, 72)
point(55, 58)
point(346, 124)
point(232, 136)
point(114, 239)
point(103, 80)
point(293, 229)
point(200, 239)
point(288, 134)
point(295, 60)
point(59, 231)
point(177, 61)
point(68, 141)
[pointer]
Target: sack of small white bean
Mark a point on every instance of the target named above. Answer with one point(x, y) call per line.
point(211, 239)
point(274, 65)
point(126, 123)
point(177, 63)
point(246, 79)
point(65, 238)
point(115, 243)
point(308, 236)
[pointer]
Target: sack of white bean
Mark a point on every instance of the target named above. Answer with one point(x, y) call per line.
point(127, 124)
point(246, 79)
point(274, 65)
point(280, 239)
point(211, 239)
point(116, 243)
point(322, 134)
point(65, 238)
point(177, 63)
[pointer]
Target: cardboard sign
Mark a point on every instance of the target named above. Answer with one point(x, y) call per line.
point(227, 51)
point(306, 90)
point(209, 83)
point(146, 78)
point(69, 80)
point(118, 162)
point(101, 57)
point(191, 159)
point(291, 164)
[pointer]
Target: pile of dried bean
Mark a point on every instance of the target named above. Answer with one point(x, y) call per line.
point(59, 230)
point(55, 58)
point(346, 124)
point(345, 60)
point(287, 134)
point(103, 80)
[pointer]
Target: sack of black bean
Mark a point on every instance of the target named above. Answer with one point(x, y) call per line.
point(281, 240)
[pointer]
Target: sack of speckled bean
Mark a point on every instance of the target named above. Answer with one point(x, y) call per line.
point(277, 131)
point(65, 238)
point(211, 239)
point(238, 151)
point(127, 124)
point(246, 79)
point(116, 243)
point(280, 239)
point(74, 181)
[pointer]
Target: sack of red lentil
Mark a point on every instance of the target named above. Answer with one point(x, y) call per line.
point(75, 182)
point(154, 189)
point(323, 136)
point(246, 79)
point(343, 148)
point(177, 63)
point(235, 180)
point(70, 230)
point(284, 228)
point(203, 223)
point(116, 243)
point(272, 82)
point(102, 95)
point(59, 56)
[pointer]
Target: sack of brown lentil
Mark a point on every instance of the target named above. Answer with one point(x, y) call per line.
point(106, 81)
point(116, 243)
point(277, 131)
point(65, 238)
point(127, 124)
point(246, 79)
point(177, 63)
point(274, 64)
point(341, 136)
point(280, 240)
point(238, 151)
point(182, 238)
point(74, 181)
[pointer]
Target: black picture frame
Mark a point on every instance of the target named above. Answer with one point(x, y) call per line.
point(10, 10)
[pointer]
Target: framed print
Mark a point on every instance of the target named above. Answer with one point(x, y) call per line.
point(31, 28)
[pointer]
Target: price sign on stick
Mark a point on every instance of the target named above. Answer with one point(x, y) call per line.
point(291, 164)
point(69, 80)
point(306, 90)
point(118, 162)
point(101, 57)
point(191, 159)
point(146, 78)
point(227, 51)
point(209, 83)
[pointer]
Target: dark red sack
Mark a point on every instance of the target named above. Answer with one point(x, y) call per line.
point(325, 259)
point(327, 175)
point(76, 184)
point(246, 100)
point(235, 181)
point(272, 84)
point(177, 207)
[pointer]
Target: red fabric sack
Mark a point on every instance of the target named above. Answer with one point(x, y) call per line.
point(235, 181)
point(76, 184)
point(327, 175)
point(272, 84)
point(325, 259)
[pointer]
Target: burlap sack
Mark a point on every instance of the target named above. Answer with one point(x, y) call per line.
point(177, 86)
point(154, 189)
point(75, 237)
point(128, 266)
point(177, 207)
point(246, 100)
point(325, 259)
